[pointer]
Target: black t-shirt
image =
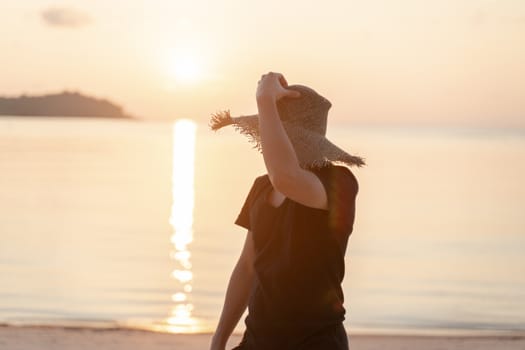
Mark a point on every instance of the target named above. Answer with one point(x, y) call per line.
point(299, 261)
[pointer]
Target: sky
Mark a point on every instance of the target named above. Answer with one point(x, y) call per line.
point(459, 62)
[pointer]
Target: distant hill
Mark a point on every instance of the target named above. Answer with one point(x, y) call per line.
point(67, 104)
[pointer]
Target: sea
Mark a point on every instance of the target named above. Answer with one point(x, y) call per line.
point(130, 224)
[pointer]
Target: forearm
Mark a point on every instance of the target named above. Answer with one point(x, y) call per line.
point(278, 153)
point(236, 300)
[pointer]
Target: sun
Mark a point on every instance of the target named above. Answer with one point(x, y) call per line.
point(186, 67)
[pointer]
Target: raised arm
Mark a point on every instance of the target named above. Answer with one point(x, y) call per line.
point(237, 295)
point(281, 162)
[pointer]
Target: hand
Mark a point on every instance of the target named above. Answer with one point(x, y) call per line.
point(272, 86)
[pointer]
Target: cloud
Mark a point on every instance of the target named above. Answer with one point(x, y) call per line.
point(65, 17)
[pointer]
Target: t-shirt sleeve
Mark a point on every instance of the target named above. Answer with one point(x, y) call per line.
point(243, 219)
point(341, 189)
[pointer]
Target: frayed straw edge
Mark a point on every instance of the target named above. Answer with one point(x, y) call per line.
point(351, 161)
point(224, 118)
point(357, 161)
point(250, 135)
point(220, 119)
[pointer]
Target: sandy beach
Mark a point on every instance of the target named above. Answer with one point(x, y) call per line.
point(66, 338)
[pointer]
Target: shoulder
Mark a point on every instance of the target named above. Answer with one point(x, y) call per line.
point(261, 180)
point(346, 175)
point(338, 176)
point(259, 183)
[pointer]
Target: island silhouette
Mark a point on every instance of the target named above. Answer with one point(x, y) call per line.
point(64, 104)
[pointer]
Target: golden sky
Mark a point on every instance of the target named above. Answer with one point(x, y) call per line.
point(378, 61)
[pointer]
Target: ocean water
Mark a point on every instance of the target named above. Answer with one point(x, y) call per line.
point(108, 223)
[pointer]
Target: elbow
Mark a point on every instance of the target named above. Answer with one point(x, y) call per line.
point(283, 180)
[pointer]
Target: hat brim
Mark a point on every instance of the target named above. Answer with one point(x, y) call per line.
point(312, 149)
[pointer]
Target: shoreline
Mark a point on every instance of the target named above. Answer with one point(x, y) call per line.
point(353, 331)
point(49, 337)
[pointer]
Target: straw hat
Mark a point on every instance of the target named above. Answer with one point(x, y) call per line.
point(304, 120)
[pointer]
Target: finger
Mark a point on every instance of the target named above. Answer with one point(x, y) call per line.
point(293, 93)
point(283, 80)
point(275, 74)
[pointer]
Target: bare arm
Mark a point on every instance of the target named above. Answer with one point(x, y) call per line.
point(237, 295)
point(279, 155)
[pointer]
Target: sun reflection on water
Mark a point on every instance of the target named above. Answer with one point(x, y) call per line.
point(181, 318)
